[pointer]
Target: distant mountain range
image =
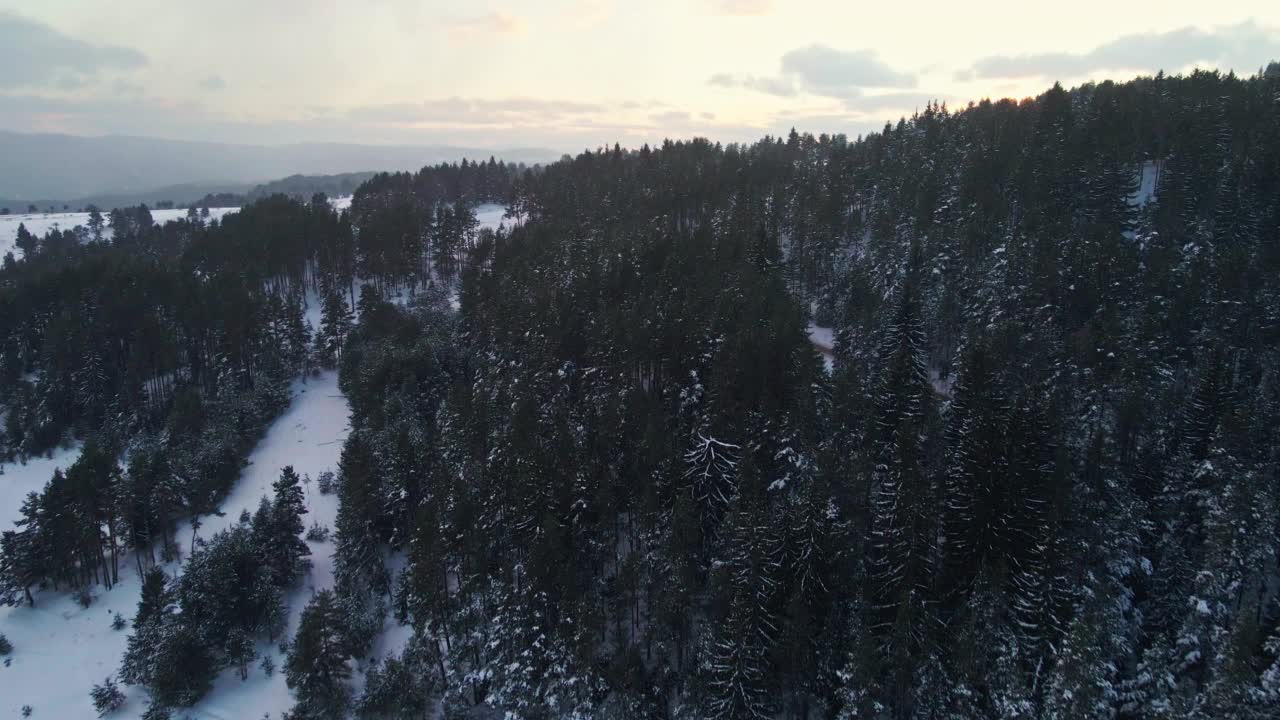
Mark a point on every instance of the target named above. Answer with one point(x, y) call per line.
point(50, 169)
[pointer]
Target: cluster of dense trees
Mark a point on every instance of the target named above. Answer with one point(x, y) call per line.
point(416, 229)
point(228, 596)
point(1040, 482)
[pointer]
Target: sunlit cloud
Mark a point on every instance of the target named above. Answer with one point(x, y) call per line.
point(470, 111)
point(1243, 47)
point(742, 7)
point(492, 23)
point(823, 71)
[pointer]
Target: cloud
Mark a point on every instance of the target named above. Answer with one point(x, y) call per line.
point(781, 85)
point(742, 7)
point(124, 87)
point(824, 71)
point(673, 117)
point(33, 55)
point(827, 71)
point(492, 23)
point(463, 111)
point(1244, 47)
point(213, 82)
point(584, 14)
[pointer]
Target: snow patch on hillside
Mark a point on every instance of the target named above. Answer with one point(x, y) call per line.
point(61, 650)
point(823, 339)
point(1148, 175)
point(40, 223)
point(489, 215)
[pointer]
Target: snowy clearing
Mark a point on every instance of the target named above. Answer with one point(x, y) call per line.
point(80, 644)
point(489, 215)
point(18, 479)
point(1148, 175)
point(824, 342)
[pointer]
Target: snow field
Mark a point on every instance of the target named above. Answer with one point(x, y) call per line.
point(61, 650)
point(40, 223)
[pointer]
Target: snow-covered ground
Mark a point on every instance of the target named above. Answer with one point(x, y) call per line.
point(19, 479)
point(1148, 175)
point(824, 342)
point(40, 223)
point(489, 215)
point(61, 650)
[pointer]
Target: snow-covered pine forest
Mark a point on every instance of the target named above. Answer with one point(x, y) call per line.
point(595, 463)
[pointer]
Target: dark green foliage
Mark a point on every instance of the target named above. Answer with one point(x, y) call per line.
point(107, 697)
point(226, 597)
point(316, 669)
point(1048, 391)
point(282, 539)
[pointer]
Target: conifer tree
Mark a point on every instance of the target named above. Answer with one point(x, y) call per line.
point(316, 669)
point(287, 550)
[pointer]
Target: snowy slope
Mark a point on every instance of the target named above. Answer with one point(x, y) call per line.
point(80, 644)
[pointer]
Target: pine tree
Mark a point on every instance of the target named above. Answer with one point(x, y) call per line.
point(903, 531)
point(335, 323)
point(26, 242)
point(107, 697)
point(285, 545)
point(316, 669)
point(96, 223)
point(739, 663)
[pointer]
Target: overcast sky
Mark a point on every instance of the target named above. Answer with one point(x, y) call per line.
point(569, 74)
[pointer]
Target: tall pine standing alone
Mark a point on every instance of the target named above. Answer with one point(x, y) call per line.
point(282, 540)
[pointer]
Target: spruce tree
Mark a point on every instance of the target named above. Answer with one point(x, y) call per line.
point(286, 548)
point(316, 669)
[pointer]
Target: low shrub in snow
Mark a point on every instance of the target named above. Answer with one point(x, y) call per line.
point(326, 482)
point(106, 697)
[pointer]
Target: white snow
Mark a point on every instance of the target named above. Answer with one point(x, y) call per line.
point(40, 223)
point(62, 650)
point(824, 342)
point(19, 479)
point(1147, 176)
point(490, 215)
